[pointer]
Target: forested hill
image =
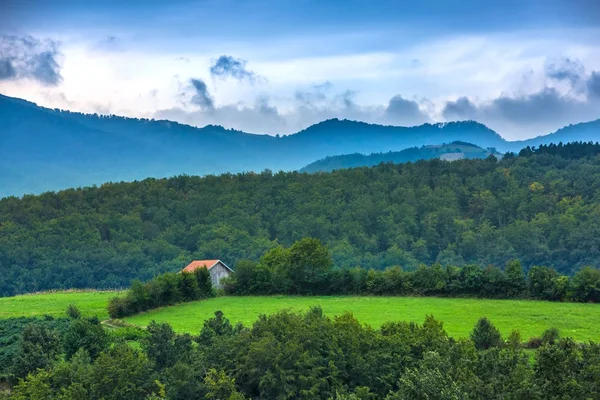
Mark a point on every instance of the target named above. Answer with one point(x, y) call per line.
point(449, 152)
point(43, 149)
point(542, 207)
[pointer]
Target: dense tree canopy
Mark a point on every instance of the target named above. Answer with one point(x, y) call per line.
point(541, 207)
point(307, 355)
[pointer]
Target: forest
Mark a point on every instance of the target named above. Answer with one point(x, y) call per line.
point(306, 268)
point(541, 207)
point(289, 355)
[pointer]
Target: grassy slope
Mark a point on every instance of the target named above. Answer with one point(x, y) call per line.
point(90, 303)
point(531, 318)
point(459, 315)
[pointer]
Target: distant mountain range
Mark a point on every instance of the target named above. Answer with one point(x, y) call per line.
point(43, 149)
point(449, 152)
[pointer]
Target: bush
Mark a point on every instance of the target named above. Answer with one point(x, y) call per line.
point(73, 312)
point(166, 289)
point(485, 335)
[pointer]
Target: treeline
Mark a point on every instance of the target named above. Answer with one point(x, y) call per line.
point(541, 208)
point(166, 289)
point(306, 268)
point(291, 355)
point(571, 150)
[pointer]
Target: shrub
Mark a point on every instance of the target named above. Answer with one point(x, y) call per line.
point(485, 335)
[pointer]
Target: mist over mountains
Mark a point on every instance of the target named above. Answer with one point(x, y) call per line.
point(43, 149)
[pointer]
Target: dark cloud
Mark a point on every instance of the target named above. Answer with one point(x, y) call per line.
point(593, 85)
point(201, 96)
point(263, 107)
point(7, 71)
point(227, 66)
point(27, 57)
point(314, 96)
point(568, 70)
point(404, 111)
point(462, 108)
point(323, 86)
point(547, 103)
point(536, 113)
point(347, 99)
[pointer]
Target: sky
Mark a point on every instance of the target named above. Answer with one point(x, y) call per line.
point(524, 68)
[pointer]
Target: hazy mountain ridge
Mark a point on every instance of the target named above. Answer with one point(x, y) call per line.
point(452, 151)
point(43, 149)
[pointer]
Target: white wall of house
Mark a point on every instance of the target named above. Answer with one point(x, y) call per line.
point(218, 272)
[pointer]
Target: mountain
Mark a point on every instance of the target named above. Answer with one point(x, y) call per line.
point(45, 149)
point(450, 152)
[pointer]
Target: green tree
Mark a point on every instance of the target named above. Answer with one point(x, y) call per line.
point(515, 279)
point(39, 349)
point(309, 263)
point(485, 335)
point(87, 335)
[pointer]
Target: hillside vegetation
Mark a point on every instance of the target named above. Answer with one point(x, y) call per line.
point(448, 152)
point(541, 207)
point(291, 355)
point(48, 149)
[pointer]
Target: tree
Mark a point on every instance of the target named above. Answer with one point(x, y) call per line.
point(39, 348)
point(163, 347)
point(309, 263)
point(73, 312)
point(220, 386)
point(586, 285)
point(515, 279)
point(485, 335)
point(87, 335)
point(122, 373)
point(188, 286)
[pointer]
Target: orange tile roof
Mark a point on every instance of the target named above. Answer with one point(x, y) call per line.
point(194, 265)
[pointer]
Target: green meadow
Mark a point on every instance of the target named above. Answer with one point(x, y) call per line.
point(90, 303)
point(531, 318)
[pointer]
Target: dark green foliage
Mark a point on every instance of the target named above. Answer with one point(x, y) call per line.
point(586, 285)
point(73, 312)
point(10, 338)
point(305, 268)
point(485, 335)
point(541, 208)
point(163, 347)
point(87, 335)
point(166, 289)
point(39, 348)
point(291, 355)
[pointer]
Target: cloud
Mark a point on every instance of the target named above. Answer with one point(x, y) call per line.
point(314, 96)
point(404, 111)
point(260, 116)
point(593, 85)
point(7, 71)
point(544, 110)
point(27, 57)
point(201, 96)
point(109, 43)
point(227, 66)
point(462, 108)
point(565, 69)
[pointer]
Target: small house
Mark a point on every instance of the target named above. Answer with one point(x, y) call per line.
point(217, 269)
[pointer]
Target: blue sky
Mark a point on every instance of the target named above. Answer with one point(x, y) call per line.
point(524, 68)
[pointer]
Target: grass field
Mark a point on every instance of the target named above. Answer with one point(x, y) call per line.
point(90, 303)
point(579, 321)
point(531, 318)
